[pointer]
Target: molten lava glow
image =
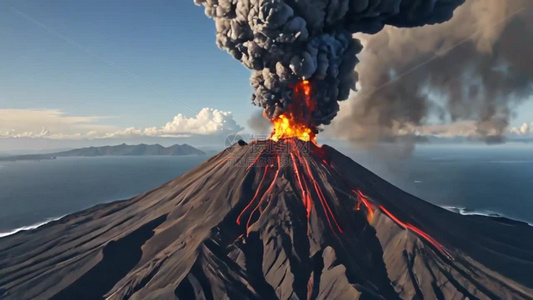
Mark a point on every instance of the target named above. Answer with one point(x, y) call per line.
point(287, 127)
point(361, 198)
point(306, 183)
point(370, 208)
point(296, 122)
point(419, 232)
point(301, 170)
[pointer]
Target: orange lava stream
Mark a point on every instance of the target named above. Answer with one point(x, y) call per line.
point(419, 232)
point(305, 191)
point(306, 194)
point(321, 197)
point(255, 196)
point(361, 198)
point(295, 123)
point(370, 208)
point(267, 192)
point(303, 174)
point(255, 161)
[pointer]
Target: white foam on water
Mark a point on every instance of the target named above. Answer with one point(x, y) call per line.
point(29, 227)
point(486, 213)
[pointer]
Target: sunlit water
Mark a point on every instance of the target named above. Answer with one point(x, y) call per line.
point(486, 180)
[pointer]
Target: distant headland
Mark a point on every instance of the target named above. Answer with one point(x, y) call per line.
point(118, 150)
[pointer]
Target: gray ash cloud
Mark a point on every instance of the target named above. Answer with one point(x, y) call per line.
point(285, 41)
point(479, 67)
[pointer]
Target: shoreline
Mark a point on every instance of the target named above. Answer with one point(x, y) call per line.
point(491, 214)
point(29, 227)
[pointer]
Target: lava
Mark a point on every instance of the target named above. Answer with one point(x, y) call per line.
point(267, 192)
point(296, 122)
point(296, 125)
point(301, 171)
point(361, 198)
point(418, 231)
point(306, 182)
point(255, 196)
point(370, 208)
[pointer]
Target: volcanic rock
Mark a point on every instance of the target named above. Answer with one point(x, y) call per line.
point(271, 220)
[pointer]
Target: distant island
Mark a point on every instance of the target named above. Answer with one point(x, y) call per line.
point(118, 150)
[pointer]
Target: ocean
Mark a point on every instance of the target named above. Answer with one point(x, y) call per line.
point(34, 192)
point(487, 180)
point(495, 180)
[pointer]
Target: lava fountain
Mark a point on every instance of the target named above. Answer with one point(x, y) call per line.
point(296, 122)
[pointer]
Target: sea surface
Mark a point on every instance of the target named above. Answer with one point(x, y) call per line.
point(34, 192)
point(466, 179)
point(487, 180)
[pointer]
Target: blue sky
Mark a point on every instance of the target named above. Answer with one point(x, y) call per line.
point(105, 66)
point(134, 61)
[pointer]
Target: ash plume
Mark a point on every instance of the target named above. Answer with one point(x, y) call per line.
point(476, 68)
point(284, 41)
point(259, 125)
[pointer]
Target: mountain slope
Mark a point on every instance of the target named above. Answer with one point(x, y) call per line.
point(270, 220)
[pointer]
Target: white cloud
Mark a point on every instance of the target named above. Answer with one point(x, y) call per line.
point(525, 129)
point(55, 124)
point(207, 121)
point(47, 123)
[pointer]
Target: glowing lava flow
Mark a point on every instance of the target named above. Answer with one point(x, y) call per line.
point(419, 232)
point(295, 124)
point(370, 209)
point(303, 176)
point(361, 198)
point(255, 196)
point(319, 193)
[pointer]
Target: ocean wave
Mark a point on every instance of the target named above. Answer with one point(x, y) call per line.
point(486, 213)
point(29, 227)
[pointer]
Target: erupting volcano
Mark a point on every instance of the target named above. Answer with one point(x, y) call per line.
point(278, 219)
point(282, 219)
point(296, 124)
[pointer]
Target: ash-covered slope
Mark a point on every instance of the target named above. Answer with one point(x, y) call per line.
point(270, 220)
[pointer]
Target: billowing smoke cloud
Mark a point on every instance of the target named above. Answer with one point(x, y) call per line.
point(284, 41)
point(259, 125)
point(475, 67)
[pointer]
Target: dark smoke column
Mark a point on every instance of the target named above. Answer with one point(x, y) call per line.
point(285, 41)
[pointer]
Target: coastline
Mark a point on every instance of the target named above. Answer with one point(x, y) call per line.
point(29, 227)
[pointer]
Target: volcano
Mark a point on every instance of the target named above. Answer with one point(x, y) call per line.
point(271, 220)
